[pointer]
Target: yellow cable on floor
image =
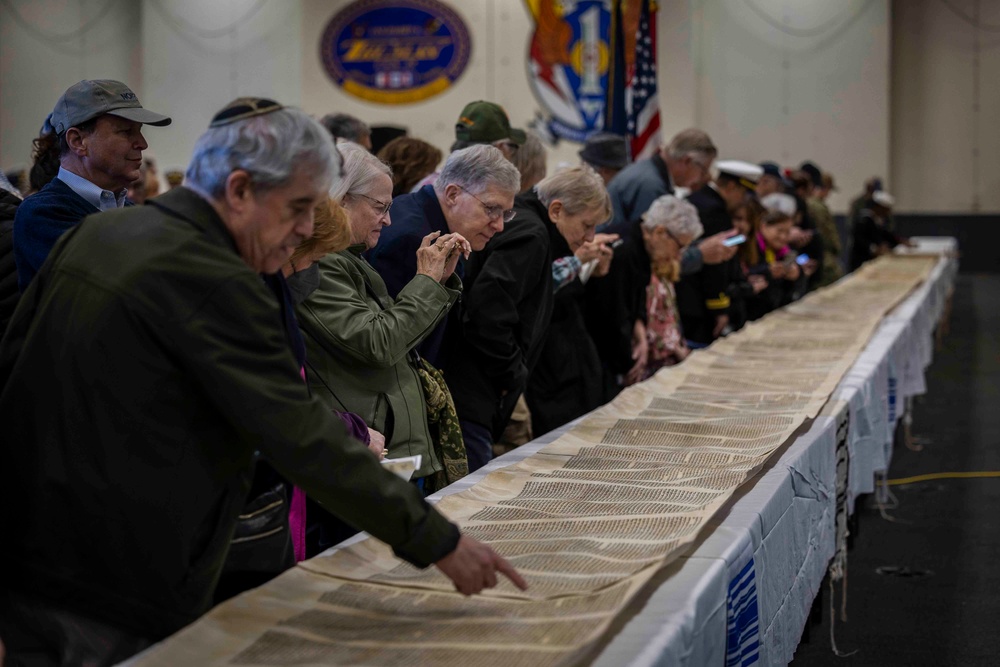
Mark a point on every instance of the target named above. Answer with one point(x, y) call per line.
point(942, 475)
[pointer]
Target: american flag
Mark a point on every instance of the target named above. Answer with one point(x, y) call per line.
point(641, 105)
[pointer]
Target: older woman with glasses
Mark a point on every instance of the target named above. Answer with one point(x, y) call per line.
point(668, 227)
point(632, 314)
point(359, 339)
point(509, 299)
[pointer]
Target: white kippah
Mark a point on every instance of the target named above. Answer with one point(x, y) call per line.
point(883, 198)
point(779, 201)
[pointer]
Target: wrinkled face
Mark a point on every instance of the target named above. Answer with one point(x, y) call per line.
point(268, 225)
point(367, 211)
point(476, 217)
point(690, 171)
point(113, 152)
point(577, 228)
point(662, 245)
point(776, 236)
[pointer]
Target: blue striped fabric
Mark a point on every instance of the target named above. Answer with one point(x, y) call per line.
point(742, 619)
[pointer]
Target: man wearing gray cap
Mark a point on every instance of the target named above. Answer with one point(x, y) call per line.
point(99, 124)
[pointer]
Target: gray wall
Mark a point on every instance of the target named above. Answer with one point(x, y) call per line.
point(901, 88)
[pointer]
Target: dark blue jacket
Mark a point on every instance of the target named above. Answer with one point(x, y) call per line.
point(41, 219)
point(414, 216)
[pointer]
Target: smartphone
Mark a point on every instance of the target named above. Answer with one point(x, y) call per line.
point(734, 240)
point(801, 259)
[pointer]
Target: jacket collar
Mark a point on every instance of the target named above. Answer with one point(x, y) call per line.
point(558, 244)
point(662, 170)
point(432, 209)
point(188, 205)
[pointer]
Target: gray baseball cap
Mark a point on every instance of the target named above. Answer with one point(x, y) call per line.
point(91, 98)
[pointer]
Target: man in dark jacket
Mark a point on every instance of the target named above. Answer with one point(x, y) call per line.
point(702, 298)
point(684, 163)
point(476, 186)
point(123, 485)
point(872, 236)
point(508, 300)
point(99, 127)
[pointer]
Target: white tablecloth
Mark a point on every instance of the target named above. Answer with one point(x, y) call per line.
point(760, 561)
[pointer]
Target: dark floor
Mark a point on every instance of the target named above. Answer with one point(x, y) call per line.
point(946, 533)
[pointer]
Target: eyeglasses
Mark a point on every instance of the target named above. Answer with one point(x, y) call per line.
point(492, 210)
point(680, 245)
point(382, 207)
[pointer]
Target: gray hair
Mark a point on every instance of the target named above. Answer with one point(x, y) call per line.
point(477, 168)
point(270, 147)
point(678, 216)
point(361, 170)
point(530, 160)
point(578, 188)
point(692, 142)
point(346, 127)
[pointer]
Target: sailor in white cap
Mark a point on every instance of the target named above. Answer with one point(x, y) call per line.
point(702, 298)
point(872, 236)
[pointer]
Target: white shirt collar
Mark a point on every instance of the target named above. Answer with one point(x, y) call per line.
point(103, 200)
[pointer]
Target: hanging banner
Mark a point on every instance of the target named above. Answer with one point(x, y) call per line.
point(395, 51)
point(568, 63)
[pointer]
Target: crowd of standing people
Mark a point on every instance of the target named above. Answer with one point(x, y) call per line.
point(225, 365)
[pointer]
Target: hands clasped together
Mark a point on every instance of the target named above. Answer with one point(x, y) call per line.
point(438, 255)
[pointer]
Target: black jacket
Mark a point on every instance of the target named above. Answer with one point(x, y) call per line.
point(147, 363)
point(8, 270)
point(566, 382)
point(506, 309)
point(869, 233)
point(614, 303)
point(703, 296)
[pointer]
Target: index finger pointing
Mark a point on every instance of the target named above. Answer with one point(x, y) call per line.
point(508, 571)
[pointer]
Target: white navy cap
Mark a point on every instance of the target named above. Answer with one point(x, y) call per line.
point(779, 201)
point(883, 198)
point(747, 173)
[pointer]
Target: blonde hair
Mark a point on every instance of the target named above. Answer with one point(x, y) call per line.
point(578, 188)
point(331, 233)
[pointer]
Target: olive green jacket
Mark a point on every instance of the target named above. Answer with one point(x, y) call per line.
point(820, 213)
point(144, 365)
point(357, 346)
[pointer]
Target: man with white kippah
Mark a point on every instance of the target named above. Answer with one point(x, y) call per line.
point(99, 126)
point(872, 236)
point(702, 297)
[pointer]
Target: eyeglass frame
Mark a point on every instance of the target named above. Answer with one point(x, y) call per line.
point(505, 214)
point(385, 207)
point(682, 247)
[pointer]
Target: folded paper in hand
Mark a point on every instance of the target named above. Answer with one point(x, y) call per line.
point(403, 467)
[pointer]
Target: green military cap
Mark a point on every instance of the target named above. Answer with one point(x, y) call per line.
point(485, 122)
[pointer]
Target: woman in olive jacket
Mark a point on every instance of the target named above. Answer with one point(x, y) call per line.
point(359, 340)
